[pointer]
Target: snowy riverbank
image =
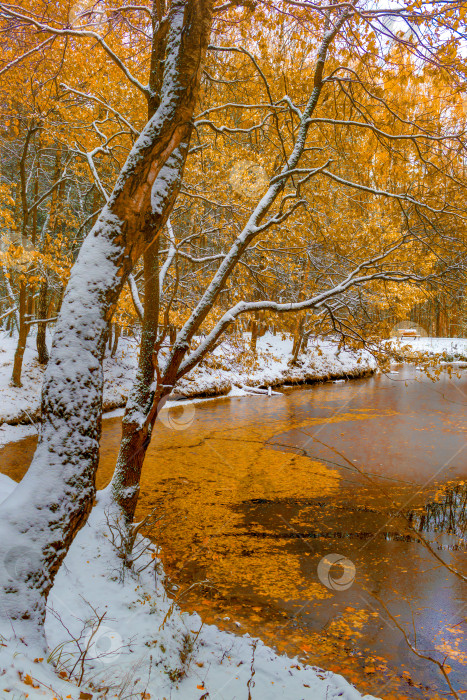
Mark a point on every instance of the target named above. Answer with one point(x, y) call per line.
point(452, 348)
point(144, 646)
point(225, 371)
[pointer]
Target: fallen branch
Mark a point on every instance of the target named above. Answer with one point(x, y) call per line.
point(256, 390)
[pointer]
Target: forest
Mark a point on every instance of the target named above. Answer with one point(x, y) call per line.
point(201, 199)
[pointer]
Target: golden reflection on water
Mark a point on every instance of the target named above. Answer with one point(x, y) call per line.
point(216, 475)
point(248, 513)
point(206, 484)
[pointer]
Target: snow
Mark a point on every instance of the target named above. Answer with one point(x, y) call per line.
point(145, 651)
point(22, 404)
point(321, 361)
point(450, 346)
point(143, 638)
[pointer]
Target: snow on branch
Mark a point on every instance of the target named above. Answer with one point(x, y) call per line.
point(372, 127)
point(135, 296)
point(391, 195)
point(87, 96)
point(27, 19)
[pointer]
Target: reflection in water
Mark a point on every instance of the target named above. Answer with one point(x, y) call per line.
point(258, 491)
point(447, 513)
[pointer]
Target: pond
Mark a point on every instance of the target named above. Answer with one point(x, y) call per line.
point(329, 520)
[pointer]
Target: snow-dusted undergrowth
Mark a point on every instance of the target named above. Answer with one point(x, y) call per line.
point(144, 646)
point(223, 372)
point(453, 348)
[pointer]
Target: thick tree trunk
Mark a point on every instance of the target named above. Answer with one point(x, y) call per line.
point(40, 519)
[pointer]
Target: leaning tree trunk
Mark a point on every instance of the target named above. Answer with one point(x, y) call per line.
point(135, 434)
point(42, 516)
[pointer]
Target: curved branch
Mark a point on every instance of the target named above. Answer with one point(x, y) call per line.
point(79, 33)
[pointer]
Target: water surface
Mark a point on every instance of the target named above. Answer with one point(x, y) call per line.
point(258, 492)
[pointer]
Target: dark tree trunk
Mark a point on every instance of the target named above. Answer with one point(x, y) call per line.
point(23, 307)
point(136, 438)
point(42, 352)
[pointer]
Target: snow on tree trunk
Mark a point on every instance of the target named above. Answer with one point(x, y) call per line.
point(136, 433)
point(41, 517)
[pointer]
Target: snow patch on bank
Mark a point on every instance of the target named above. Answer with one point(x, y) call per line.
point(144, 645)
point(321, 361)
point(223, 373)
point(455, 347)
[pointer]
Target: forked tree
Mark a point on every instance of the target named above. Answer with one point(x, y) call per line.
point(54, 499)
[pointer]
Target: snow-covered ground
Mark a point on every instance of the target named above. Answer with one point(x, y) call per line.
point(144, 646)
point(226, 370)
point(452, 347)
point(21, 404)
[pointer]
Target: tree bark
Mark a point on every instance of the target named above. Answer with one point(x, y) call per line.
point(254, 332)
point(41, 345)
point(298, 339)
point(23, 304)
point(136, 434)
point(115, 339)
point(42, 516)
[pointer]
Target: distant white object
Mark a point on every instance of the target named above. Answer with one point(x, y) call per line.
point(408, 333)
point(339, 381)
point(269, 391)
